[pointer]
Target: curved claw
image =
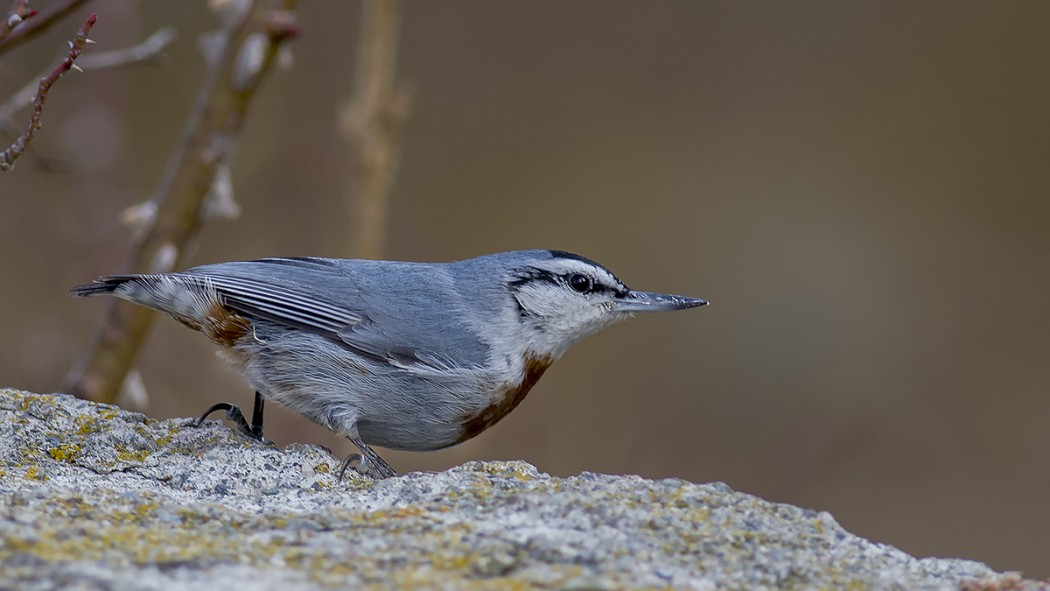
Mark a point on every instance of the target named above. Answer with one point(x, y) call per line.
point(350, 459)
point(234, 414)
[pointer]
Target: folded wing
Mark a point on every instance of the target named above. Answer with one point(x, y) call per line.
point(325, 297)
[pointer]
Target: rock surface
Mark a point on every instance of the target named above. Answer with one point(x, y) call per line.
point(94, 497)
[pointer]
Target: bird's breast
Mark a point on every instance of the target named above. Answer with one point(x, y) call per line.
point(505, 400)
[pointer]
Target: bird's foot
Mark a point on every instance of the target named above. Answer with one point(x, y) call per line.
point(234, 414)
point(368, 462)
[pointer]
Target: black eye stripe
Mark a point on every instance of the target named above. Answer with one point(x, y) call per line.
point(532, 274)
point(594, 285)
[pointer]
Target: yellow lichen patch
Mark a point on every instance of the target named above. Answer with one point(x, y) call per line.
point(516, 469)
point(66, 452)
point(31, 399)
point(482, 488)
point(142, 514)
point(33, 473)
point(136, 544)
point(85, 424)
point(131, 455)
point(522, 474)
point(403, 512)
point(108, 414)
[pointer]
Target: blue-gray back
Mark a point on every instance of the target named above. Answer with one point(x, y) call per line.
point(396, 312)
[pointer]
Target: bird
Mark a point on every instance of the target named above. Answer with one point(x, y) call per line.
point(400, 355)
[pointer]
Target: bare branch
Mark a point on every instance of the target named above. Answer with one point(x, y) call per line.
point(246, 52)
point(372, 121)
point(149, 51)
point(39, 23)
point(19, 12)
point(76, 47)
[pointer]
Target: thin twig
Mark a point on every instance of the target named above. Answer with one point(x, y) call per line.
point(246, 52)
point(149, 51)
point(372, 121)
point(39, 23)
point(19, 12)
point(76, 47)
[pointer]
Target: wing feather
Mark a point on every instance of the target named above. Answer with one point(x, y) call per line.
point(279, 304)
point(301, 293)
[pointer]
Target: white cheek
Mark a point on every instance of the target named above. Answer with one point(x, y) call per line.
point(565, 316)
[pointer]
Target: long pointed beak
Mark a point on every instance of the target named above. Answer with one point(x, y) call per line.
point(644, 301)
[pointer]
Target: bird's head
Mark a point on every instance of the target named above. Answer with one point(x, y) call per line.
point(561, 297)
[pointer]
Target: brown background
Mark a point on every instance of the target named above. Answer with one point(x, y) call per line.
point(859, 188)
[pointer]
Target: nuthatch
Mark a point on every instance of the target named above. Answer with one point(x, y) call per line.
point(410, 356)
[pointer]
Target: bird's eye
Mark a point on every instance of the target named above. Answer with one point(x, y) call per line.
point(580, 282)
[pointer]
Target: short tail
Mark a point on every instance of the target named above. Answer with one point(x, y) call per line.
point(184, 297)
point(101, 286)
point(192, 300)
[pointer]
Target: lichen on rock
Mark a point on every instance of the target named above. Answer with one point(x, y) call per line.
point(94, 497)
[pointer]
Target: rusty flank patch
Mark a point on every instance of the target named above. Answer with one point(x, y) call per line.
point(506, 401)
point(224, 327)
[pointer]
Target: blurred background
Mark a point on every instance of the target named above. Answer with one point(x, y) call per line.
point(860, 189)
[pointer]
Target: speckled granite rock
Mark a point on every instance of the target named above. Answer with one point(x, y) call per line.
point(94, 497)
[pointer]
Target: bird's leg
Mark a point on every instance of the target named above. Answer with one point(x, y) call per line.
point(233, 413)
point(257, 416)
point(368, 461)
